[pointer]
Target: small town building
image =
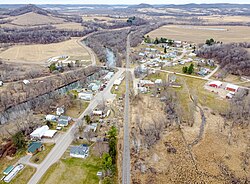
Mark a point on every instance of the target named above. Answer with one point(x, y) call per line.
point(92, 127)
point(215, 84)
point(81, 151)
point(143, 89)
point(85, 96)
point(158, 81)
point(63, 121)
point(41, 132)
point(97, 113)
point(13, 173)
point(59, 111)
point(146, 83)
point(34, 147)
point(50, 117)
point(232, 87)
point(8, 169)
point(229, 95)
point(1, 83)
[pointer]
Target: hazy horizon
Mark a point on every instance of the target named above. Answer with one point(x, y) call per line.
point(122, 2)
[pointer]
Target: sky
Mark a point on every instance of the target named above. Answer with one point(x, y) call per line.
point(120, 1)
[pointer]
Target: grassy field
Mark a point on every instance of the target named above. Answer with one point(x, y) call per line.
point(75, 110)
point(198, 34)
point(195, 87)
point(39, 53)
point(73, 170)
point(40, 156)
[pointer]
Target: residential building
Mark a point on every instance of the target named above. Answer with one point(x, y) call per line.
point(81, 151)
point(8, 169)
point(13, 173)
point(34, 147)
point(41, 132)
point(63, 121)
point(215, 84)
point(85, 96)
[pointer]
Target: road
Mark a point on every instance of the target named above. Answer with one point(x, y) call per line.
point(66, 139)
point(213, 72)
point(126, 142)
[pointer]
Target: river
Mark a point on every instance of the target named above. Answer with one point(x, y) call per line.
point(111, 60)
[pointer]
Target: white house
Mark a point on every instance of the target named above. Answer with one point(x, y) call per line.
point(158, 81)
point(1, 83)
point(50, 117)
point(85, 96)
point(59, 111)
point(97, 113)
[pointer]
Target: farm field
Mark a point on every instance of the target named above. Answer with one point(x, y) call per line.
point(34, 19)
point(221, 19)
point(198, 34)
point(39, 53)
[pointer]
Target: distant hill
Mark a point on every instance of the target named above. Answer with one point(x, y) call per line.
point(216, 5)
point(142, 5)
point(28, 9)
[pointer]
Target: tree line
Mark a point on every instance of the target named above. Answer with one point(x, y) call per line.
point(233, 57)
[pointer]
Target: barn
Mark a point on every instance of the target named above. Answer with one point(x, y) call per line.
point(215, 84)
point(232, 87)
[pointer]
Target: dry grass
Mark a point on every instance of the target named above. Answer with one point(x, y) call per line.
point(198, 34)
point(35, 19)
point(24, 176)
point(91, 18)
point(208, 155)
point(40, 53)
point(40, 156)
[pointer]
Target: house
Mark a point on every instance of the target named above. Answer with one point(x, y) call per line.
point(1, 83)
point(8, 169)
point(50, 117)
point(63, 121)
point(117, 82)
point(146, 83)
point(141, 54)
point(143, 89)
point(81, 151)
point(85, 96)
point(215, 84)
point(94, 87)
point(59, 111)
point(158, 81)
point(34, 147)
point(41, 132)
point(92, 127)
point(232, 87)
point(97, 113)
point(13, 173)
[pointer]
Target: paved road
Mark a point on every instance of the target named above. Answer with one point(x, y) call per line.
point(66, 139)
point(126, 144)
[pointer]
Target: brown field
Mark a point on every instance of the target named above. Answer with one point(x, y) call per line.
point(221, 19)
point(198, 34)
point(40, 53)
point(35, 19)
point(69, 26)
point(213, 160)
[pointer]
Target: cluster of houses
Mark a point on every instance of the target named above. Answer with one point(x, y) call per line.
point(231, 88)
point(94, 86)
point(144, 86)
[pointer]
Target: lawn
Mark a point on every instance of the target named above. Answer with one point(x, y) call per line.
point(40, 156)
point(77, 108)
point(157, 75)
point(121, 89)
point(73, 170)
point(205, 97)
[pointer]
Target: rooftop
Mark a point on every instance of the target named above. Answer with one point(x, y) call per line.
point(34, 146)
